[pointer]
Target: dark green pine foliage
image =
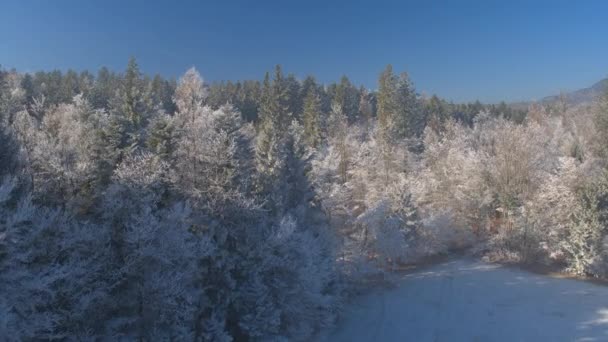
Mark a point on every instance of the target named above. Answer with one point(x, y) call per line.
point(131, 104)
point(274, 107)
point(292, 86)
point(409, 120)
point(160, 138)
point(312, 118)
point(162, 93)
point(347, 97)
point(249, 100)
point(129, 108)
point(365, 106)
point(601, 124)
point(27, 84)
point(70, 86)
point(274, 122)
point(103, 89)
point(436, 112)
point(8, 153)
point(387, 101)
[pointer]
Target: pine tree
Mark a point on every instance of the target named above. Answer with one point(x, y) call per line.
point(293, 86)
point(408, 119)
point(312, 118)
point(365, 106)
point(265, 98)
point(132, 93)
point(601, 124)
point(279, 102)
point(347, 96)
point(275, 118)
point(388, 108)
point(103, 89)
point(131, 107)
point(387, 102)
point(161, 136)
point(8, 153)
point(338, 124)
point(436, 113)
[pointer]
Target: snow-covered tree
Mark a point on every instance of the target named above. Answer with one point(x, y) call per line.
point(189, 96)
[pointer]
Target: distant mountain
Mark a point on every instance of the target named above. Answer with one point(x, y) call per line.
point(581, 96)
point(578, 97)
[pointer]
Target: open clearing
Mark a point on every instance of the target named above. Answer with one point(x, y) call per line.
point(466, 300)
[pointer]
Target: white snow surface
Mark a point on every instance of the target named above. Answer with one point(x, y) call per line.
point(467, 300)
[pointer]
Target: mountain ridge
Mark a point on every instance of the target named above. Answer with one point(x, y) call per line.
point(573, 98)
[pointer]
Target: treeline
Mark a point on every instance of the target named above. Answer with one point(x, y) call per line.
point(99, 90)
point(141, 208)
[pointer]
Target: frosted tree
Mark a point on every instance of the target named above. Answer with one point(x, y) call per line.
point(451, 178)
point(154, 254)
point(52, 272)
point(294, 260)
point(206, 161)
point(583, 245)
point(12, 96)
point(189, 96)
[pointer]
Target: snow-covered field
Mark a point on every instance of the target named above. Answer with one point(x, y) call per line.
point(465, 300)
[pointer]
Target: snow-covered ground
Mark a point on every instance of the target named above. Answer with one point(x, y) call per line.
point(465, 300)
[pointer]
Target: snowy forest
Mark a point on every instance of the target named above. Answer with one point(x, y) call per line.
point(137, 207)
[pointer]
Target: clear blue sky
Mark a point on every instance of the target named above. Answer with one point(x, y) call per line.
point(461, 50)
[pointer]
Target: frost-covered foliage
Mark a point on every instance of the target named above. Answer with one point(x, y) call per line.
point(145, 209)
point(518, 188)
point(371, 209)
point(128, 223)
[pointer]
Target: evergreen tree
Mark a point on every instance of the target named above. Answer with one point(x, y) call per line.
point(388, 109)
point(8, 153)
point(103, 89)
point(161, 136)
point(312, 118)
point(162, 93)
point(408, 121)
point(27, 84)
point(387, 101)
point(132, 89)
point(601, 124)
point(70, 86)
point(279, 103)
point(250, 100)
point(365, 106)
point(347, 96)
point(275, 118)
point(338, 124)
point(293, 86)
point(131, 107)
point(436, 113)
